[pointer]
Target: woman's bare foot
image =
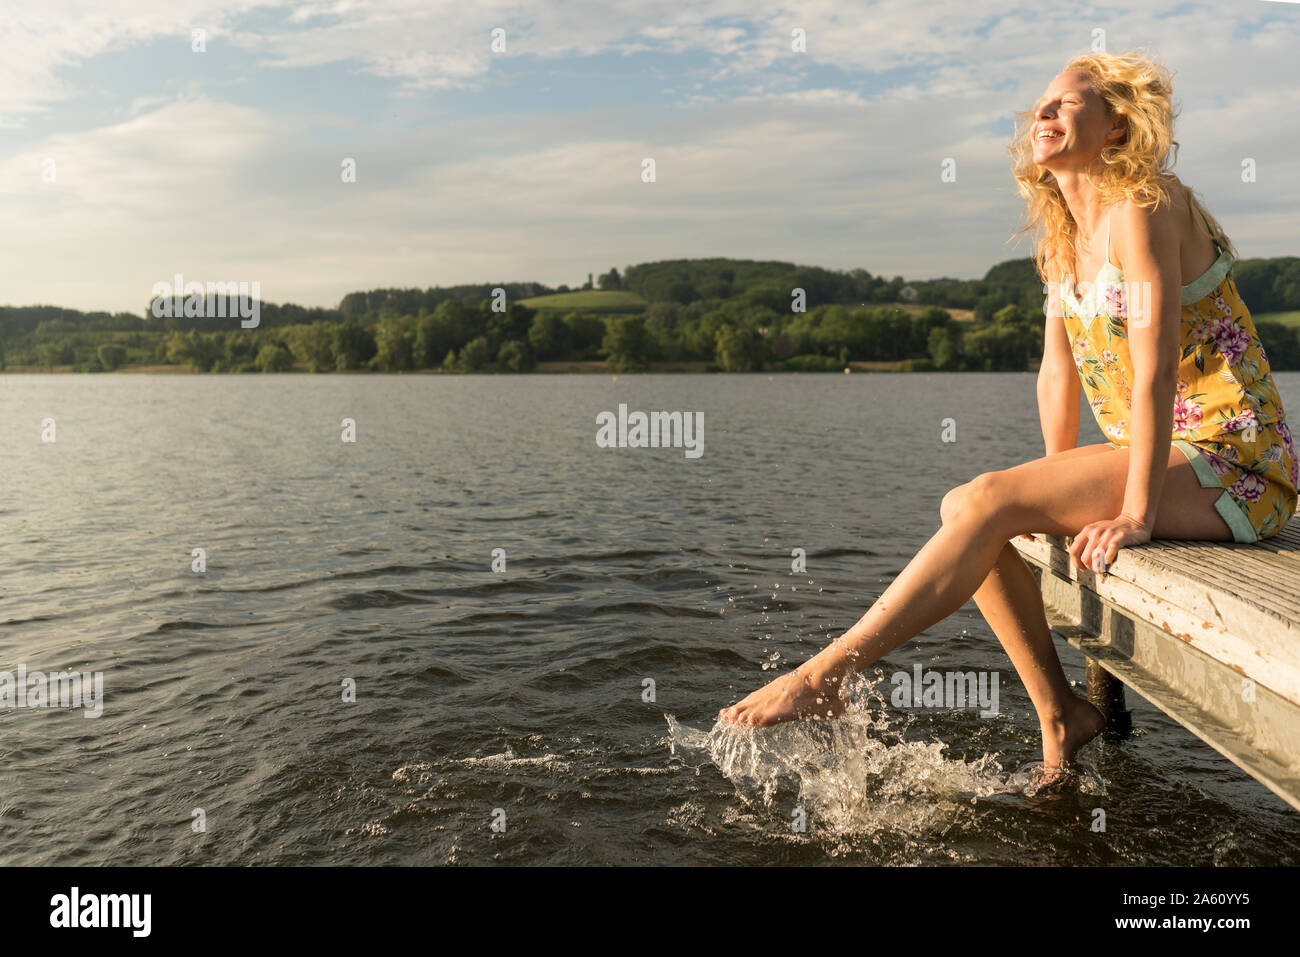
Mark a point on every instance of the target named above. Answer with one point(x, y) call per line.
point(808, 691)
point(1063, 736)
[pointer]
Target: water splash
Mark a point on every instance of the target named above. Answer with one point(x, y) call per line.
point(1033, 779)
point(857, 775)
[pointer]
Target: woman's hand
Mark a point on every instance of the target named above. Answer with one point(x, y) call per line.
point(1100, 542)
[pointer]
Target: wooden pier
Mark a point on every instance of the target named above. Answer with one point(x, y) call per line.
point(1209, 633)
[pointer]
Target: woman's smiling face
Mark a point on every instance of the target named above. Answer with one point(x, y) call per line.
point(1071, 124)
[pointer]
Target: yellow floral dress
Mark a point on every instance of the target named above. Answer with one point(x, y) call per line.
point(1228, 417)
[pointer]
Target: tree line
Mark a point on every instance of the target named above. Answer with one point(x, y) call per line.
point(730, 315)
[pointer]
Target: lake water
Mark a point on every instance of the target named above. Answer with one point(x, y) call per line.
point(520, 695)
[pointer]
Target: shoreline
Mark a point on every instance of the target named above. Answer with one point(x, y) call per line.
point(542, 368)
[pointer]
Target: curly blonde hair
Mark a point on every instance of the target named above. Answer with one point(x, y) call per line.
point(1136, 167)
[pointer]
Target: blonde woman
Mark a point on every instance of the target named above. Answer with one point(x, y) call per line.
point(1167, 354)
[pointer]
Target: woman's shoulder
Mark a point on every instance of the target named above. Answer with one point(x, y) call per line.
point(1156, 223)
point(1167, 212)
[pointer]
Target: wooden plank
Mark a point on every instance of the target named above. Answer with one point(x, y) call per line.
point(1253, 640)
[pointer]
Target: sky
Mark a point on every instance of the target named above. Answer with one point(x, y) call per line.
point(128, 156)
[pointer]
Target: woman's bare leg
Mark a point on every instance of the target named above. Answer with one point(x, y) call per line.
point(1056, 494)
point(1011, 602)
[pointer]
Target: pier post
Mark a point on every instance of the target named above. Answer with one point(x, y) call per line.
point(1106, 694)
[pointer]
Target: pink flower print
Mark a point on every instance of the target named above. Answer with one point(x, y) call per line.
point(1241, 421)
point(1187, 414)
point(1284, 430)
point(1230, 339)
point(1220, 465)
point(1118, 431)
point(1222, 306)
point(1107, 357)
point(1081, 348)
point(1115, 304)
point(1250, 487)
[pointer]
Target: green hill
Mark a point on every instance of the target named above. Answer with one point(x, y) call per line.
point(1286, 318)
point(616, 301)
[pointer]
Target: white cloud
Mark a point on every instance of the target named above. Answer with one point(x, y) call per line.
point(771, 159)
point(43, 41)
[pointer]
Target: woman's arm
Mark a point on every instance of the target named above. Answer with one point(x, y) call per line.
point(1058, 383)
point(1147, 245)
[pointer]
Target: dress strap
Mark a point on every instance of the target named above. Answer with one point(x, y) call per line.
point(1108, 218)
